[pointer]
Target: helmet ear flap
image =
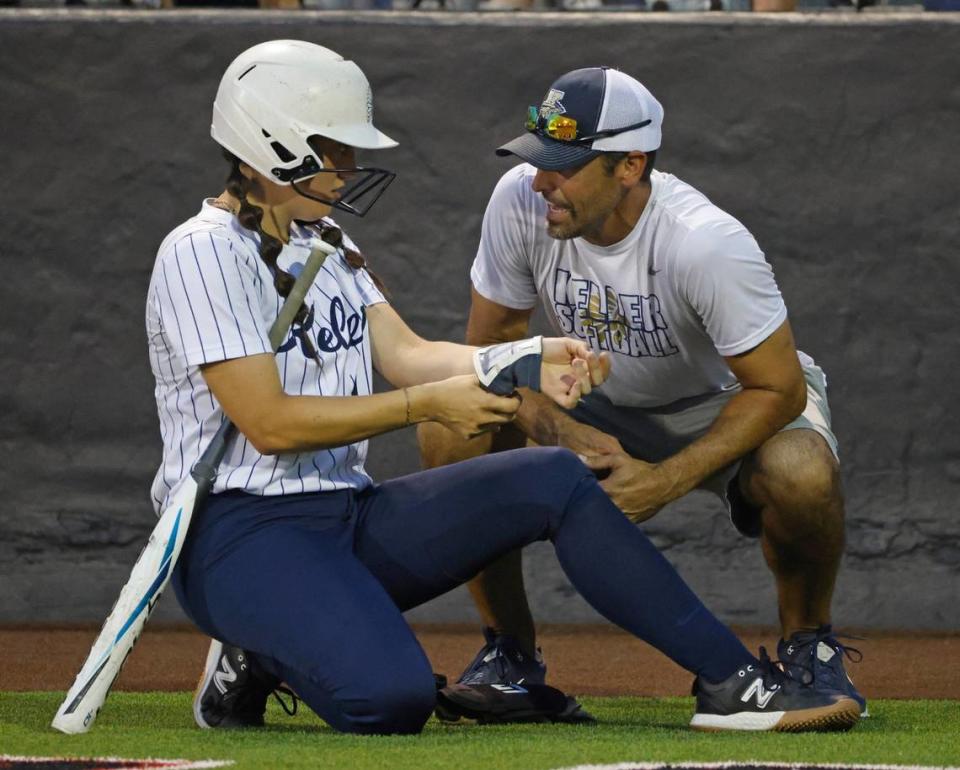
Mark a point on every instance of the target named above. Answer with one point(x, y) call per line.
point(265, 138)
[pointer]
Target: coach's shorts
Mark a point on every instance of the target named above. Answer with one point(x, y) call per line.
point(654, 434)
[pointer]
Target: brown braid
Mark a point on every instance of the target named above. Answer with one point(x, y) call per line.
point(251, 216)
point(356, 261)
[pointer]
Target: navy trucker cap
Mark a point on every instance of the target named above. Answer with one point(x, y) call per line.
point(612, 112)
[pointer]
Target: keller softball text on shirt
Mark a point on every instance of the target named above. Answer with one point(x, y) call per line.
point(686, 287)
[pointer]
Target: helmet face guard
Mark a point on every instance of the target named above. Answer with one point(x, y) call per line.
point(362, 188)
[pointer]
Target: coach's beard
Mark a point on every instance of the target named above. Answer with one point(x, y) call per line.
point(567, 227)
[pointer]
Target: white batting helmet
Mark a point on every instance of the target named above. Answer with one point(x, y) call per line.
point(276, 95)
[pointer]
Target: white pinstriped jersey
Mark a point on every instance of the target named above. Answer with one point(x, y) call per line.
point(211, 299)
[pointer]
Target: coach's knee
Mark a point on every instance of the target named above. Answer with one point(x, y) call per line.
point(401, 703)
point(796, 481)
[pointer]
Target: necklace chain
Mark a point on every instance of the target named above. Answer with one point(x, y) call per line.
point(223, 205)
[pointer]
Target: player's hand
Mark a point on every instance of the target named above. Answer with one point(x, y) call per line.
point(570, 370)
point(463, 406)
point(637, 488)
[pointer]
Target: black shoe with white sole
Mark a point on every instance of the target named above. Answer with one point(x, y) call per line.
point(762, 697)
point(233, 690)
point(501, 661)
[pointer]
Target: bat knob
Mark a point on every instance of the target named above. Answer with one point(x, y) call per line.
point(332, 235)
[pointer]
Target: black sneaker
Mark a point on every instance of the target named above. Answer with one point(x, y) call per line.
point(232, 693)
point(815, 656)
point(501, 661)
point(762, 697)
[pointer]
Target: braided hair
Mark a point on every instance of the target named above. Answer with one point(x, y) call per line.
point(251, 216)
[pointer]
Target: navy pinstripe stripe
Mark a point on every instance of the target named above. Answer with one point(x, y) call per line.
point(186, 372)
point(283, 387)
point(289, 472)
point(226, 289)
point(243, 443)
point(303, 381)
point(186, 295)
point(256, 322)
point(273, 473)
point(363, 357)
point(335, 466)
point(257, 279)
point(164, 408)
point(363, 354)
point(259, 457)
point(333, 456)
point(170, 361)
point(213, 311)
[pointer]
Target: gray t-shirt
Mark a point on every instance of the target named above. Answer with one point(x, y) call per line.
point(688, 286)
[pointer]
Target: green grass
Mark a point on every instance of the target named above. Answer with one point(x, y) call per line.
point(638, 729)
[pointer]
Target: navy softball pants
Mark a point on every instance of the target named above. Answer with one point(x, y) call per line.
point(313, 585)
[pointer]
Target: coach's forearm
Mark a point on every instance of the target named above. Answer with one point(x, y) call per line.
point(541, 419)
point(749, 418)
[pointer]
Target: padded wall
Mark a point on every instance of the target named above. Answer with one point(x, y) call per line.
point(833, 138)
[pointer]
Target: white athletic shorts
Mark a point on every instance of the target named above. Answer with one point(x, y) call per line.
point(656, 433)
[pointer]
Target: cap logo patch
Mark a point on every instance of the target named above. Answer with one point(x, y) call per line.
point(551, 104)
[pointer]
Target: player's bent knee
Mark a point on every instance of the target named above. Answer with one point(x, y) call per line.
point(400, 705)
point(559, 464)
point(560, 470)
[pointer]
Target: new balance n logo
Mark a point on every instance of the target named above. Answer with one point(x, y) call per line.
point(759, 693)
point(225, 675)
point(510, 689)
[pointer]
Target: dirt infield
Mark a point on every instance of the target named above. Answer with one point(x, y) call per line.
point(587, 660)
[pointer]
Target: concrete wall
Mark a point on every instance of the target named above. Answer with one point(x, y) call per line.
point(834, 139)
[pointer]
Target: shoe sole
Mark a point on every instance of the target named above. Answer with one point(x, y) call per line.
point(209, 669)
point(575, 714)
point(841, 715)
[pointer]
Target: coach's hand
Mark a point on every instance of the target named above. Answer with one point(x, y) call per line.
point(462, 405)
point(638, 488)
point(570, 370)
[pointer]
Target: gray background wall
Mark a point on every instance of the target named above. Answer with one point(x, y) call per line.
point(834, 139)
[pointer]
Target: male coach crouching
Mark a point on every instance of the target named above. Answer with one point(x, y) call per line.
point(707, 389)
